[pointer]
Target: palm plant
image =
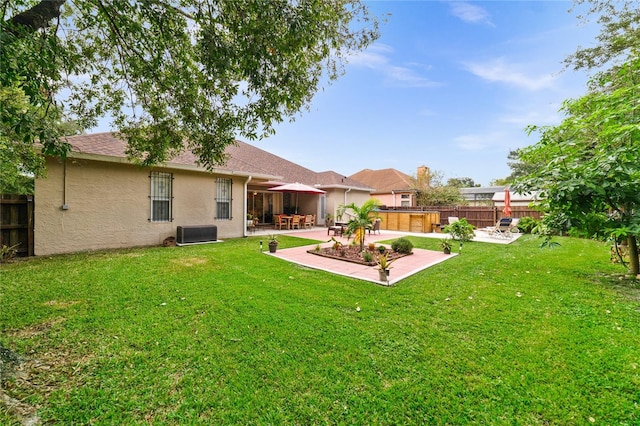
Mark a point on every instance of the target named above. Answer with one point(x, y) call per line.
point(362, 217)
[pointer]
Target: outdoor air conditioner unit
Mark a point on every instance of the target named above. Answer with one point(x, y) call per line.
point(197, 234)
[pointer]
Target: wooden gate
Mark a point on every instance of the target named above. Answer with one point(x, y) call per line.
point(16, 223)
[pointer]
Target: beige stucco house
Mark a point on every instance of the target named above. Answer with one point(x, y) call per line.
point(97, 199)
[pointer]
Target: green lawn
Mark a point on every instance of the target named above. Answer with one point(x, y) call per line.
point(221, 334)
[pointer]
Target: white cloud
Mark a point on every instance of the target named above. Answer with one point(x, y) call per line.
point(538, 115)
point(501, 71)
point(471, 13)
point(478, 142)
point(377, 58)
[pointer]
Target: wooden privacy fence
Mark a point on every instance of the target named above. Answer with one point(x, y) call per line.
point(424, 219)
point(16, 223)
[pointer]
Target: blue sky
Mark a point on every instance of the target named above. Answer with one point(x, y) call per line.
point(450, 85)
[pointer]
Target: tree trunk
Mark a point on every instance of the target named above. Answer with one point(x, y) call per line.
point(634, 261)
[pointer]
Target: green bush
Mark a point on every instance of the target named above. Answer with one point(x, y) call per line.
point(460, 230)
point(526, 224)
point(402, 245)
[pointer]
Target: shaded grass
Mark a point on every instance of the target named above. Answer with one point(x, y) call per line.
point(221, 334)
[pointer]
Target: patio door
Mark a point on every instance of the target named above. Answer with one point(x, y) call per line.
point(322, 201)
point(260, 206)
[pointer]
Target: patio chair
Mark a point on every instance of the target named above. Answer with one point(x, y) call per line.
point(295, 222)
point(281, 221)
point(375, 227)
point(513, 228)
point(502, 228)
point(309, 221)
point(452, 219)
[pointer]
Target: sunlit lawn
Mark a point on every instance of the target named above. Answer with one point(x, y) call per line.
point(222, 334)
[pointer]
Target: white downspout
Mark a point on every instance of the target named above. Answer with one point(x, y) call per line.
point(345, 202)
point(393, 196)
point(245, 209)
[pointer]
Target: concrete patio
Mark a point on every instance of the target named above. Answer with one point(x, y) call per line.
point(401, 268)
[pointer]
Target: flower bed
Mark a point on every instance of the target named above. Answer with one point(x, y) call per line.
point(354, 255)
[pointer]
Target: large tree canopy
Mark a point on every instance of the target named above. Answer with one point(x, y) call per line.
point(590, 163)
point(169, 72)
point(431, 191)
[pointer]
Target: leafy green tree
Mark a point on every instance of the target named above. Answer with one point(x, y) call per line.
point(518, 169)
point(500, 182)
point(618, 40)
point(361, 218)
point(590, 163)
point(464, 182)
point(172, 74)
point(430, 191)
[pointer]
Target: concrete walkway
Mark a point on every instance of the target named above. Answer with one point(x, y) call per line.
point(401, 268)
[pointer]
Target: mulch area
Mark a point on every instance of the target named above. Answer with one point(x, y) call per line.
point(354, 255)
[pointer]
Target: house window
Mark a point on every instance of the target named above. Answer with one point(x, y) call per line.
point(161, 197)
point(223, 198)
point(405, 200)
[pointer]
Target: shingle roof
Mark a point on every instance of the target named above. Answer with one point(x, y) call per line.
point(336, 180)
point(243, 157)
point(384, 181)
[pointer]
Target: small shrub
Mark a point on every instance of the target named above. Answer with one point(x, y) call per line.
point(382, 249)
point(8, 253)
point(460, 230)
point(527, 224)
point(402, 245)
point(367, 256)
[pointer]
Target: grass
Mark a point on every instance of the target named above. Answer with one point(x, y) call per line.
point(220, 334)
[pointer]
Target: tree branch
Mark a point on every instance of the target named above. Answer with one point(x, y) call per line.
point(38, 16)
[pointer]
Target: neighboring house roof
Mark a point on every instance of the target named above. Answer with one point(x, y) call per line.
point(385, 181)
point(243, 159)
point(517, 198)
point(480, 193)
point(331, 179)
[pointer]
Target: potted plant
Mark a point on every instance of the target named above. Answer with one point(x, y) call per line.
point(328, 220)
point(383, 266)
point(445, 244)
point(273, 243)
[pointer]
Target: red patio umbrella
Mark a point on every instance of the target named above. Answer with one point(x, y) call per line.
point(507, 203)
point(297, 188)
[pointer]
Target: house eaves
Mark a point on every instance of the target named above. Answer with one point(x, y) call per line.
point(104, 147)
point(365, 189)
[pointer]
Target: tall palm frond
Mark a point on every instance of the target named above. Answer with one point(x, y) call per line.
point(362, 217)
